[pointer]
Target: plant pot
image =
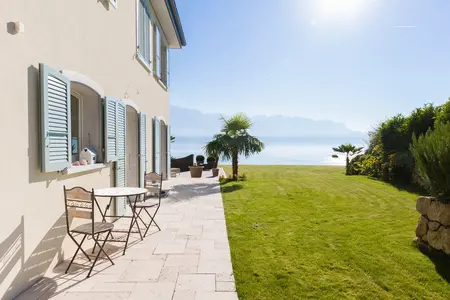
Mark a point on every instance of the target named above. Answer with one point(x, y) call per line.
point(215, 172)
point(196, 171)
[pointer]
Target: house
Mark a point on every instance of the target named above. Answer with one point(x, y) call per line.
point(76, 74)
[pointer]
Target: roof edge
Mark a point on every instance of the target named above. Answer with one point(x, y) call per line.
point(175, 17)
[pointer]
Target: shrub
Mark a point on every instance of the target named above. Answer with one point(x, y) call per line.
point(200, 159)
point(211, 159)
point(242, 177)
point(432, 155)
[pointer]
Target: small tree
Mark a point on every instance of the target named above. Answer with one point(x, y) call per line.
point(234, 140)
point(349, 150)
point(432, 155)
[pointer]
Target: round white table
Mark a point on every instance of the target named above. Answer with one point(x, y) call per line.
point(128, 192)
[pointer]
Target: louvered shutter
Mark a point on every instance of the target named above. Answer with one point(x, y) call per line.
point(142, 147)
point(56, 144)
point(111, 129)
point(157, 145)
point(168, 150)
point(120, 163)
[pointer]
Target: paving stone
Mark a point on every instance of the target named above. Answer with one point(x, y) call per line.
point(143, 270)
point(196, 282)
point(93, 295)
point(225, 286)
point(182, 260)
point(153, 290)
point(173, 247)
point(183, 295)
point(216, 296)
point(114, 287)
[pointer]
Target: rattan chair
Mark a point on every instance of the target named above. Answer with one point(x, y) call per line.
point(79, 203)
point(153, 183)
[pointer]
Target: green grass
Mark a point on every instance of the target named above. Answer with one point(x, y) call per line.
point(299, 232)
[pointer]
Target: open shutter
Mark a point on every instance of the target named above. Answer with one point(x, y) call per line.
point(168, 150)
point(142, 147)
point(111, 129)
point(120, 164)
point(56, 144)
point(157, 145)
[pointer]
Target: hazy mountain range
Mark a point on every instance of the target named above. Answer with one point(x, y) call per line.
point(193, 123)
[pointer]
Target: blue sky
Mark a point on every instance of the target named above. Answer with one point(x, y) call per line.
point(352, 61)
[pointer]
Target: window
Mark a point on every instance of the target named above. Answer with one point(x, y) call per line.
point(161, 67)
point(144, 27)
point(75, 128)
point(86, 122)
point(158, 52)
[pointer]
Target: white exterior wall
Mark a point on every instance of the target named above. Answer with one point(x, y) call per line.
point(78, 35)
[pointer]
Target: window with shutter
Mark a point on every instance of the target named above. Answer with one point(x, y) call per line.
point(111, 129)
point(120, 163)
point(158, 52)
point(142, 147)
point(56, 151)
point(157, 145)
point(144, 28)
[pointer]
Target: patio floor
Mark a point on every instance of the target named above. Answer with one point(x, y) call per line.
point(188, 259)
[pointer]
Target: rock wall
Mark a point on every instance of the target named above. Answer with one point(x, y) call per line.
point(434, 223)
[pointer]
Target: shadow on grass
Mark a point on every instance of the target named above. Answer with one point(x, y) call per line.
point(231, 188)
point(440, 260)
point(407, 187)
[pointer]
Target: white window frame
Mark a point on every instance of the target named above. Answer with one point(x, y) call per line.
point(139, 57)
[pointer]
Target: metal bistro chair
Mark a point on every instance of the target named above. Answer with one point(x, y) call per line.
point(153, 183)
point(79, 203)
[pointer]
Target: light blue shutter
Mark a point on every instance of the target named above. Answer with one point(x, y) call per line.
point(56, 144)
point(111, 129)
point(141, 28)
point(120, 164)
point(168, 150)
point(157, 145)
point(158, 52)
point(168, 67)
point(142, 147)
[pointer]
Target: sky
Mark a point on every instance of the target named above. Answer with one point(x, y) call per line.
point(351, 61)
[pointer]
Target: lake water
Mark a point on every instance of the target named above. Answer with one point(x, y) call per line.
point(278, 150)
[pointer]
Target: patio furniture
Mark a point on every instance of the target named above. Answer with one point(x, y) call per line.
point(153, 184)
point(174, 172)
point(79, 203)
point(128, 192)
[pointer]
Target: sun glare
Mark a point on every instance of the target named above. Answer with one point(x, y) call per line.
point(331, 9)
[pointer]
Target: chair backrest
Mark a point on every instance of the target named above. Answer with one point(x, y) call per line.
point(79, 203)
point(153, 183)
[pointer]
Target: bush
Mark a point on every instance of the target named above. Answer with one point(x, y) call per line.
point(200, 159)
point(432, 155)
point(210, 159)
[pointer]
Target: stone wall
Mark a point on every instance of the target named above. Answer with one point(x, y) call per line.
point(434, 223)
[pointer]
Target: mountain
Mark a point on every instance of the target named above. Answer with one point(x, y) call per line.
point(193, 123)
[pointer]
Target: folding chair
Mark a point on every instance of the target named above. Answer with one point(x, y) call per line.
point(79, 203)
point(153, 183)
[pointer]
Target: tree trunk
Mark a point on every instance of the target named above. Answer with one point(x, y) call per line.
point(234, 162)
point(347, 165)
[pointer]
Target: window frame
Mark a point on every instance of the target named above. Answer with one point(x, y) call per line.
point(80, 123)
point(146, 64)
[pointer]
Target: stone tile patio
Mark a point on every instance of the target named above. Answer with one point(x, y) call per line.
point(188, 259)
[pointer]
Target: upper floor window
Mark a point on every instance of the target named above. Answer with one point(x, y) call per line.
point(145, 31)
point(161, 67)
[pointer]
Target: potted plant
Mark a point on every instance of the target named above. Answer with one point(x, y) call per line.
point(210, 161)
point(432, 156)
point(200, 159)
point(196, 171)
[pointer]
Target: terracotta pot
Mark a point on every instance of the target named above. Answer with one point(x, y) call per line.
point(196, 171)
point(215, 172)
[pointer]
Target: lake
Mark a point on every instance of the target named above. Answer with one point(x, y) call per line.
point(278, 150)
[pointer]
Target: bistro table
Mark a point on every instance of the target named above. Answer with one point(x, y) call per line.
point(128, 192)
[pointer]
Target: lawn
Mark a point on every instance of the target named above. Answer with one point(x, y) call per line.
point(299, 232)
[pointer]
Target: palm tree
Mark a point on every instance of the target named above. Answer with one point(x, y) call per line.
point(349, 150)
point(234, 140)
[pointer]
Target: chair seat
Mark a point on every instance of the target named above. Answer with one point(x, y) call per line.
point(99, 227)
point(147, 203)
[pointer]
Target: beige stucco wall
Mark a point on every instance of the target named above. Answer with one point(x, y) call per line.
point(78, 35)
